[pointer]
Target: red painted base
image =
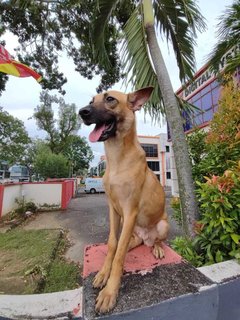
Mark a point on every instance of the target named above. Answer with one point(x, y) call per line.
point(139, 259)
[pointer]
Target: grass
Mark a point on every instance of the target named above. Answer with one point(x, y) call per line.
point(62, 276)
point(31, 261)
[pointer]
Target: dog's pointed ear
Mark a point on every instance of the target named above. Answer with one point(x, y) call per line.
point(137, 98)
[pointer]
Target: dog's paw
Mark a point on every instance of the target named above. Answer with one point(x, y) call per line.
point(158, 251)
point(106, 300)
point(101, 279)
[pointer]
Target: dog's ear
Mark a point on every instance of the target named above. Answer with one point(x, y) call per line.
point(139, 97)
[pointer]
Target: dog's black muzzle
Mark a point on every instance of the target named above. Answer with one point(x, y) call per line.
point(104, 119)
point(88, 115)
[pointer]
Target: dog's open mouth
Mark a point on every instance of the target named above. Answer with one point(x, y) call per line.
point(103, 131)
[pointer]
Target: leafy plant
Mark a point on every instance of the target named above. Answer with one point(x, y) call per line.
point(218, 237)
point(185, 247)
point(24, 206)
point(218, 232)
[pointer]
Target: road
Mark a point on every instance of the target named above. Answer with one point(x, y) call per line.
point(86, 219)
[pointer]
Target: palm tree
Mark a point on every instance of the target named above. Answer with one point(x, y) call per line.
point(228, 34)
point(178, 21)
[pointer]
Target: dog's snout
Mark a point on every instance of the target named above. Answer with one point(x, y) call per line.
point(85, 112)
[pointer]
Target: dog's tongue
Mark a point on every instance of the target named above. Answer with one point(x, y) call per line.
point(96, 133)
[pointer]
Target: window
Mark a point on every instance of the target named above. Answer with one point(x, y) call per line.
point(153, 165)
point(168, 175)
point(208, 115)
point(197, 120)
point(207, 101)
point(151, 150)
point(16, 169)
point(167, 148)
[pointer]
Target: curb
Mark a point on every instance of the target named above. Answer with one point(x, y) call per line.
point(57, 305)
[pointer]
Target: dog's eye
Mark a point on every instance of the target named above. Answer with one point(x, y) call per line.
point(110, 99)
point(91, 102)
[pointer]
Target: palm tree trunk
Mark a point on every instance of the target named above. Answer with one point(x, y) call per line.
point(183, 165)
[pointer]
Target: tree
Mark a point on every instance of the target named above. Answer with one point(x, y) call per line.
point(50, 165)
point(143, 61)
point(47, 28)
point(13, 138)
point(59, 132)
point(228, 35)
point(79, 155)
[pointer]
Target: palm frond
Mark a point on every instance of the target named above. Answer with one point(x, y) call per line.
point(139, 69)
point(178, 21)
point(228, 34)
point(137, 64)
point(101, 16)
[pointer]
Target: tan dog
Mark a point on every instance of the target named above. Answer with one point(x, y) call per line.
point(135, 195)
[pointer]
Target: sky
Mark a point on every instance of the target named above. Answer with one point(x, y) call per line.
point(22, 94)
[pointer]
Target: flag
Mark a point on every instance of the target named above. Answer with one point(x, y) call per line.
point(9, 66)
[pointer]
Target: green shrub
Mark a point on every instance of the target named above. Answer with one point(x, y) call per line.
point(218, 230)
point(25, 206)
point(185, 247)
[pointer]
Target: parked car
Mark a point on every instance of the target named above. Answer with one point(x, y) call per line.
point(19, 173)
point(93, 185)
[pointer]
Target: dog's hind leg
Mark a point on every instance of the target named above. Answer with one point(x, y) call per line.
point(158, 251)
point(135, 241)
point(162, 230)
point(102, 276)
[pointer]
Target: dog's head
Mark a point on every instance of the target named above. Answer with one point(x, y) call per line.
point(113, 112)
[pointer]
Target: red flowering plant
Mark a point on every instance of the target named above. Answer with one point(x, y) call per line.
point(218, 231)
point(216, 170)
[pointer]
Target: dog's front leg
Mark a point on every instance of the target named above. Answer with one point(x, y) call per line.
point(107, 297)
point(102, 276)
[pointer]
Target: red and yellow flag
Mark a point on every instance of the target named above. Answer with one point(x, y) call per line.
point(10, 66)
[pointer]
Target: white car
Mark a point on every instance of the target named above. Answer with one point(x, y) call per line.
point(93, 185)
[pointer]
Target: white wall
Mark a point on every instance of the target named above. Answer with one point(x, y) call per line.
point(11, 193)
point(39, 193)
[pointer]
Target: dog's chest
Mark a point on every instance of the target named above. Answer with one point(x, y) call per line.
point(119, 189)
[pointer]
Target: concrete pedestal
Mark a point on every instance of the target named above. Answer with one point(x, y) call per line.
point(166, 289)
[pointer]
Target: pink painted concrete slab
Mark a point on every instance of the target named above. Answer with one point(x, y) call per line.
point(139, 259)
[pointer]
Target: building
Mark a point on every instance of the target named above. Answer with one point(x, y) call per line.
point(203, 92)
point(157, 149)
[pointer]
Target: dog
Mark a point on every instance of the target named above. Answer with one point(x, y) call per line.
point(136, 198)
